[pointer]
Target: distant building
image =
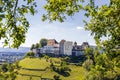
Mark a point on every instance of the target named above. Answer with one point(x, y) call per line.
point(66, 47)
point(62, 47)
point(50, 49)
point(77, 50)
point(85, 45)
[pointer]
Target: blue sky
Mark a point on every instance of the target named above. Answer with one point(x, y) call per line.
point(72, 29)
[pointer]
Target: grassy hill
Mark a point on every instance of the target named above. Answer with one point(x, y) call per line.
point(34, 63)
point(35, 68)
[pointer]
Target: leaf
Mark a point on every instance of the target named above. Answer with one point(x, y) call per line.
point(32, 10)
point(1, 3)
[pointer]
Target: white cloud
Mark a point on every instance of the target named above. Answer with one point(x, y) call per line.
point(80, 28)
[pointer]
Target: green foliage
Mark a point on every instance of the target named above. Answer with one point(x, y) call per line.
point(63, 63)
point(56, 77)
point(32, 47)
point(12, 76)
point(13, 23)
point(57, 9)
point(105, 23)
point(104, 68)
point(43, 42)
point(8, 72)
point(37, 46)
point(96, 54)
point(88, 64)
point(88, 52)
point(11, 67)
point(16, 64)
point(4, 67)
point(30, 54)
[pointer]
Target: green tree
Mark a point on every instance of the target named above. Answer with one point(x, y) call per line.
point(88, 52)
point(12, 76)
point(43, 42)
point(88, 64)
point(4, 67)
point(32, 47)
point(36, 46)
point(96, 54)
point(56, 77)
point(30, 54)
point(58, 9)
point(13, 22)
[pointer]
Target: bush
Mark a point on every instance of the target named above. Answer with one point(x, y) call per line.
point(30, 54)
point(88, 64)
point(4, 67)
point(56, 77)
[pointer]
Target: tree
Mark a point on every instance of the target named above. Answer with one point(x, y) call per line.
point(30, 54)
point(13, 23)
point(58, 9)
point(4, 67)
point(32, 47)
point(88, 52)
point(96, 54)
point(56, 77)
point(36, 46)
point(105, 22)
point(43, 42)
point(88, 64)
point(12, 76)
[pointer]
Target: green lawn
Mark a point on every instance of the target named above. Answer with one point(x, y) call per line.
point(34, 63)
point(77, 72)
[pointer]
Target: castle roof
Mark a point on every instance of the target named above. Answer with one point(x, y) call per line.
point(62, 41)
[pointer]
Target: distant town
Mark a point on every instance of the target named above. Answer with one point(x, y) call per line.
point(11, 55)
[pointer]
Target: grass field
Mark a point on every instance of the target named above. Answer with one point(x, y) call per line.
point(34, 63)
point(77, 72)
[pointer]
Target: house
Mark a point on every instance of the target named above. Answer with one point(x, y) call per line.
point(66, 47)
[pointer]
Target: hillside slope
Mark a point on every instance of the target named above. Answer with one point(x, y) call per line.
point(35, 69)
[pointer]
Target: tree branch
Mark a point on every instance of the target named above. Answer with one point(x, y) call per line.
point(14, 13)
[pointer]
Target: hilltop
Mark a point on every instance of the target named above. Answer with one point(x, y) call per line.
point(36, 68)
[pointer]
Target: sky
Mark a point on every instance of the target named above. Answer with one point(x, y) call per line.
point(72, 29)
